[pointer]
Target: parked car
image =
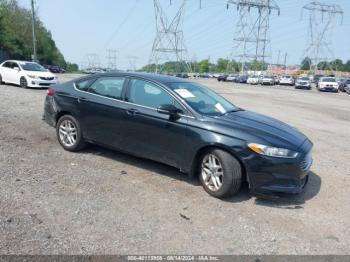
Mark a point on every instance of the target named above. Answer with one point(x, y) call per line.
point(276, 80)
point(182, 75)
point(303, 83)
point(182, 124)
point(253, 80)
point(287, 80)
point(55, 69)
point(242, 79)
point(268, 80)
point(327, 84)
point(222, 78)
point(317, 78)
point(347, 88)
point(343, 84)
point(231, 78)
point(26, 74)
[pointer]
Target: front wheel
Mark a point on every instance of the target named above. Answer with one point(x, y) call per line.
point(1, 80)
point(69, 133)
point(23, 82)
point(220, 173)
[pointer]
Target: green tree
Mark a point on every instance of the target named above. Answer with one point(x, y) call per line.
point(306, 64)
point(221, 65)
point(204, 66)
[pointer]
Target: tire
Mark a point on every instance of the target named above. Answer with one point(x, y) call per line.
point(74, 141)
point(1, 80)
point(231, 178)
point(23, 82)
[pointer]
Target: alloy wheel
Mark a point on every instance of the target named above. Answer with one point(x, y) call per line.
point(23, 83)
point(68, 133)
point(212, 172)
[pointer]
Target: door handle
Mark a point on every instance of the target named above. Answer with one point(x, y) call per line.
point(132, 111)
point(82, 99)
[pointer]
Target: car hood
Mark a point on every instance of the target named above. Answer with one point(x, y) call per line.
point(254, 127)
point(38, 73)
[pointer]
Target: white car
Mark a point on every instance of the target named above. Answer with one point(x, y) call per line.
point(328, 84)
point(231, 78)
point(26, 74)
point(268, 80)
point(287, 80)
point(253, 80)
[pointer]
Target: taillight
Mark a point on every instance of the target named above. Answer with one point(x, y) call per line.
point(50, 91)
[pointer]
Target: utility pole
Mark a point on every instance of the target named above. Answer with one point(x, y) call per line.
point(285, 62)
point(169, 44)
point(252, 37)
point(322, 18)
point(34, 56)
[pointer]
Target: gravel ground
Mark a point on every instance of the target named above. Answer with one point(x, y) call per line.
point(103, 202)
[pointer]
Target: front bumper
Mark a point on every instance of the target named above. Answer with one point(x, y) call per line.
point(280, 175)
point(39, 83)
point(328, 88)
point(306, 86)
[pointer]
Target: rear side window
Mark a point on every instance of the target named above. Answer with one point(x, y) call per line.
point(7, 64)
point(83, 85)
point(111, 87)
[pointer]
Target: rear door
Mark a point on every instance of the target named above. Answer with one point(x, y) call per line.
point(151, 134)
point(100, 108)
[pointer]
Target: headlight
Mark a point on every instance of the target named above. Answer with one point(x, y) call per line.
point(272, 151)
point(33, 76)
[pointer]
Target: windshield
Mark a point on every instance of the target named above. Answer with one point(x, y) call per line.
point(32, 67)
point(304, 79)
point(202, 99)
point(328, 80)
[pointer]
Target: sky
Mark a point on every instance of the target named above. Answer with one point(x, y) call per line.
point(81, 27)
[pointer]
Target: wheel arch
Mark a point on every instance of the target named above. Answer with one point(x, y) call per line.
point(200, 152)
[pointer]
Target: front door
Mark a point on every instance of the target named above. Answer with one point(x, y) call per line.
point(151, 134)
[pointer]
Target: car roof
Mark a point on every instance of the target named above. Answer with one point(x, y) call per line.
point(19, 61)
point(148, 76)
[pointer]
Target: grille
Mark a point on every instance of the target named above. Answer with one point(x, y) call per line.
point(46, 78)
point(44, 84)
point(306, 163)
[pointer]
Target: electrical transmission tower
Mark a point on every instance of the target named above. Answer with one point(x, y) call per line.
point(252, 38)
point(132, 62)
point(322, 18)
point(168, 45)
point(112, 59)
point(93, 60)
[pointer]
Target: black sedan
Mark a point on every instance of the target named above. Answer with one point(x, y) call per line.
point(182, 124)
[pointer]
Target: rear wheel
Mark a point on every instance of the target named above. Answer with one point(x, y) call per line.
point(23, 82)
point(69, 133)
point(220, 173)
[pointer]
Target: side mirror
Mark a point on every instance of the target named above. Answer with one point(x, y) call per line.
point(16, 68)
point(170, 110)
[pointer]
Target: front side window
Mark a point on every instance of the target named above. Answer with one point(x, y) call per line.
point(202, 99)
point(147, 94)
point(111, 87)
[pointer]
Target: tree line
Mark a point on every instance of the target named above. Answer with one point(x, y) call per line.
point(16, 36)
point(204, 66)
